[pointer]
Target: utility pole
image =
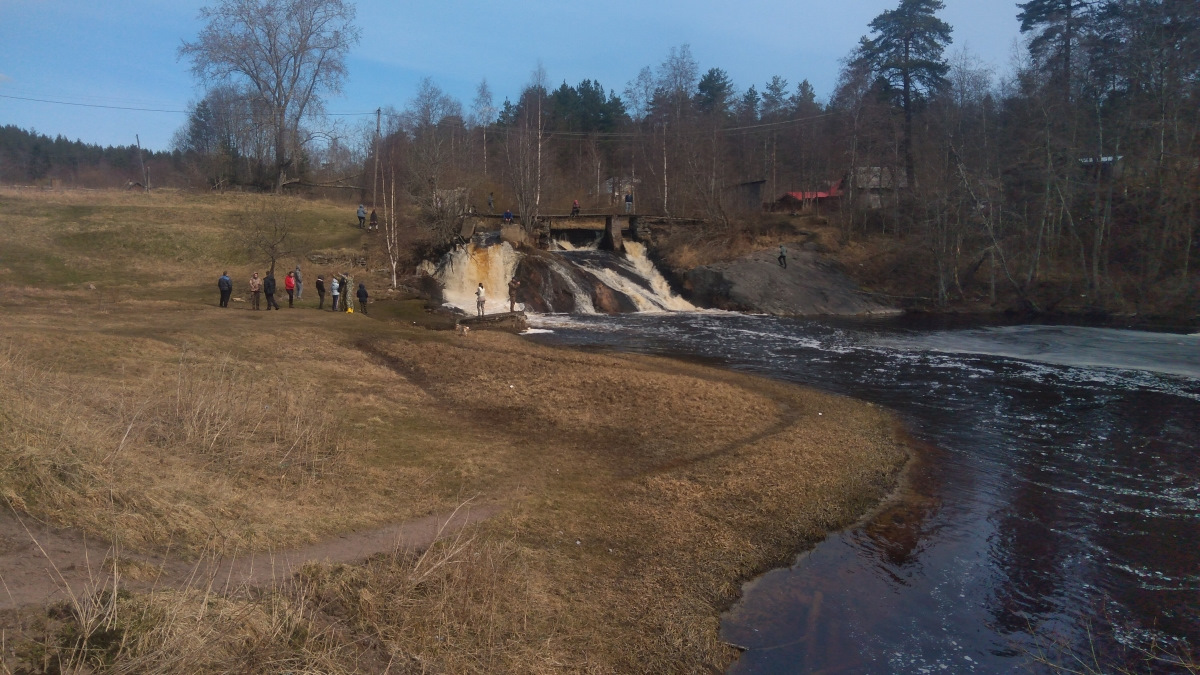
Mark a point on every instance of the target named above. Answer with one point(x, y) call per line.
point(375, 183)
point(145, 174)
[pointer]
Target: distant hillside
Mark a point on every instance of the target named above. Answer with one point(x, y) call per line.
point(30, 158)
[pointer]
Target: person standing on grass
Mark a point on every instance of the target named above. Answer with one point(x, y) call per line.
point(321, 291)
point(782, 257)
point(289, 285)
point(374, 220)
point(269, 291)
point(480, 299)
point(362, 298)
point(362, 216)
point(225, 285)
point(255, 290)
point(344, 282)
point(334, 289)
point(299, 281)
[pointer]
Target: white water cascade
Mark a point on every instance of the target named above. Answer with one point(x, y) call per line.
point(463, 269)
point(631, 275)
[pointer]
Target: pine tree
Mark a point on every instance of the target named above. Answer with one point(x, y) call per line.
point(1058, 27)
point(906, 54)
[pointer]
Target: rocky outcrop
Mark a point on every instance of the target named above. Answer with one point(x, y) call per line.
point(810, 285)
point(511, 322)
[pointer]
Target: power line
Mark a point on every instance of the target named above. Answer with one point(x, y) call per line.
point(93, 105)
point(751, 128)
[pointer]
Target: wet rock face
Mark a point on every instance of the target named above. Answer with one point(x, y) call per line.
point(542, 288)
point(810, 285)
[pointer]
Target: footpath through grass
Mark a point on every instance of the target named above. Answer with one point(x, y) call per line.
point(637, 493)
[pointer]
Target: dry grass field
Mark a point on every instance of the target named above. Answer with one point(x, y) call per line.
point(632, 495)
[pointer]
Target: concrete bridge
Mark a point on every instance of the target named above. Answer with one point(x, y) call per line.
point(614, 226)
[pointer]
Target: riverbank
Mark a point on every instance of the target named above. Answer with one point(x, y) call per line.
point(633, 495)
point(629, 496)
point(899, 273)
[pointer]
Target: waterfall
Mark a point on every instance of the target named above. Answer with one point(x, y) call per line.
point(463, 269)
point(633, 276)
point(578, 275)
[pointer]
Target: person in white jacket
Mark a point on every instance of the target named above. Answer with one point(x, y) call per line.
point(333, 290)
point(480, 299)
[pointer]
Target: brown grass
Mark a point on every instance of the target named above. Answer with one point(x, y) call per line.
point(640, 492)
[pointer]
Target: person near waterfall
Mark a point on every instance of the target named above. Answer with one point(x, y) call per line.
point(480, 299)
point(512, 295)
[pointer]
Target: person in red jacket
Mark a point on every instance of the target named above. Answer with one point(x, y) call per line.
point(289, 285)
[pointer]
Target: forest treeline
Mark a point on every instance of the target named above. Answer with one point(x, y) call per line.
point(1076, 174)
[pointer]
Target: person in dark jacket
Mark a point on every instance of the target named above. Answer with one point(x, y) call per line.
point(321, 291)
point(374, 220)
point(225, 285)
point(269, 291)
point(362, 298)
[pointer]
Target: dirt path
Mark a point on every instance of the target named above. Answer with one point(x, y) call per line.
point(40, 565)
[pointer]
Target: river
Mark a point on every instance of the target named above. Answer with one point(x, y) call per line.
point(1053, 512)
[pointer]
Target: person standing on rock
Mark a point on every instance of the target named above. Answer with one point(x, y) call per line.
point(512, 295)
point(255, 290)
point(362, 298)
point(782, 257)
point(225, 285)
point(299, 281)
point(362, 216)
point(321, 291)
point(269, 291)
point(289, 285)
point(334, 289)
point(480, 299)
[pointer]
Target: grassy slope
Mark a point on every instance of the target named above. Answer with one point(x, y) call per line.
point(639, 491)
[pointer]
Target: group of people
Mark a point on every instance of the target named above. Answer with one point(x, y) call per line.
point(481, 297)
point(373, 224)
point(293, 284)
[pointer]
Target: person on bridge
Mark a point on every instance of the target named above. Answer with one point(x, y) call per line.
point(575, 208)
point(628, 202)
point(782, 257)
point(480, 299)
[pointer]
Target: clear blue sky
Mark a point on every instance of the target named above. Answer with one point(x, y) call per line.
point(123, 52)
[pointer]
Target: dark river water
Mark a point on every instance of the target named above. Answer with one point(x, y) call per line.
point(1052, 514)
